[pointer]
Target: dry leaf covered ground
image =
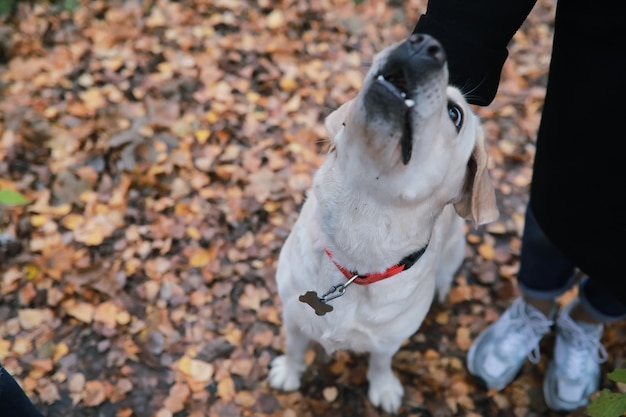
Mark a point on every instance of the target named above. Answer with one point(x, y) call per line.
point(166, 148)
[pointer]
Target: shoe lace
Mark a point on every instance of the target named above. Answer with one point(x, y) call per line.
point(526, 326)
point(584, 346)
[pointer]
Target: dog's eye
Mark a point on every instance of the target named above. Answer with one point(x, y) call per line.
point(456, 115)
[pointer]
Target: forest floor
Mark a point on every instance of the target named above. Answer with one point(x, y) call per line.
point(165, 149)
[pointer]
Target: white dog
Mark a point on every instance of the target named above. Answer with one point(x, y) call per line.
point(406, 153)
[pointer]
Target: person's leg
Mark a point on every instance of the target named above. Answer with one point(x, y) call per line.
point(564, 192)
point(545, 273)
point(574, 373)
point(13, 400)
point(597, 304)
point(499, 352)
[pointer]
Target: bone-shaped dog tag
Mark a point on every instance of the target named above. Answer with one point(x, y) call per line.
point(313, 300)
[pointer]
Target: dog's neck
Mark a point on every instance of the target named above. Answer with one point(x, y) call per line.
point(364, 234)
point(370, 278)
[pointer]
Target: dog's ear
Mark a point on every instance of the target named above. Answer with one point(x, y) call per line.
point(335, 121)
point(478, 198)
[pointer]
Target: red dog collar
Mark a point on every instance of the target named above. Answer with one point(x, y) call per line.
point(366, 279)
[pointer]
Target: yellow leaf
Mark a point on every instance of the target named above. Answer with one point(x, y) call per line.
point(288, 84)
point(72, 221)
point(226, 389)
point(212, 117)
point(122, 318)
point(38, 220)
point(234, 336)
point(60, 351)
point(31, 271)
point(60, 210)
point(184, 365)
point(471, 238)
point(442, 318)
point(193, 233)
point(201, 257)
point(202, 136)
point(486, 251)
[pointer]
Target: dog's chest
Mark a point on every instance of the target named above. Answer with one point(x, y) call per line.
point(343, 331)
point(364, 323)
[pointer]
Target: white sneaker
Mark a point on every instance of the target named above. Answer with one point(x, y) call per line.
point(574, 373)
point(499, 352)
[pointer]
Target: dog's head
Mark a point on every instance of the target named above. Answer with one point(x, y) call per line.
point(410, 137)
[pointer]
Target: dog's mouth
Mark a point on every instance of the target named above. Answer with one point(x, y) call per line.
point(397, 84)
point(393, 93)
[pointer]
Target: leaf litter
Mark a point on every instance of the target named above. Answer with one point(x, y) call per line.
point(162, 150)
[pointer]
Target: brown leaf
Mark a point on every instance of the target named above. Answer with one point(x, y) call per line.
point(94, 393)
point(48, 391)
point(178, 395)
point(30, 318)
point(463, 338)
point(106, 313)
point(80, 310)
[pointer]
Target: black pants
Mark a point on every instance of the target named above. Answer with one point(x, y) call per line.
point(545, 273)
point(13, 400)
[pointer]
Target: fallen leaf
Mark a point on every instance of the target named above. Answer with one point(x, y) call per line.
point(76, 383)
point(106, 313)
point(80, 310)
point(30, 318)
point(463, 338)
point(178, 395)
point(330, 394)
point(226, 389)
point(94, 393)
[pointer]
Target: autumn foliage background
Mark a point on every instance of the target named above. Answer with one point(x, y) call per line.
point(165, 148)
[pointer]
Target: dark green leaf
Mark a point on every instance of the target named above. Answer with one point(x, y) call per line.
point(6, 7)
point(618, 375)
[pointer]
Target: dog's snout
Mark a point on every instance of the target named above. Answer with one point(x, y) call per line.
point(427, 45)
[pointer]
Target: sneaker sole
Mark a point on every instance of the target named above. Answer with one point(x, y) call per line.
point(483, 384)
point(547, 396)
point(469, 360)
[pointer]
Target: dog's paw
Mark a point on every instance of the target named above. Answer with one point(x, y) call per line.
point(284, 375)
point(386, 394)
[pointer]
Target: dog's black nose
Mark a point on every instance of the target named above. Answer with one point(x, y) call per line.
point(426, 44)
